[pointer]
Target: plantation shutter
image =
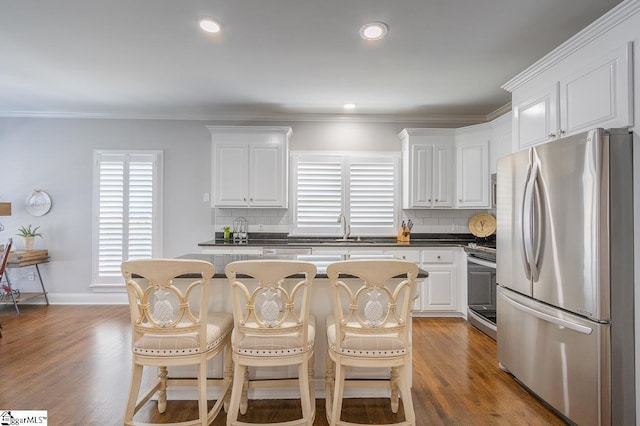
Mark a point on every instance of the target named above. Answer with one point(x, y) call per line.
point(319, 194)
point(371, 195)
point(361, 187)
point(126, 209)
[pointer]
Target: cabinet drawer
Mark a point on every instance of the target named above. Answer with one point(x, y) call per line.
point(410, 255)
point(437, 256)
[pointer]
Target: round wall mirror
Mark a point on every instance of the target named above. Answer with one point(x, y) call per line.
point(38, 203)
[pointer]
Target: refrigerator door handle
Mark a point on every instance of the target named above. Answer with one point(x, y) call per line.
point(550, 318)
point(524, 227)
point(536, 230)
point(527, 222)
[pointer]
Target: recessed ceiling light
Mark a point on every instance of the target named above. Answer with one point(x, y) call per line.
point(209, 25)
point(374, 30)
point(349, 106)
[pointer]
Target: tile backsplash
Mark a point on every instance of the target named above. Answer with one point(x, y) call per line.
point(277, 220)
point(259, 220)
point(440, 221)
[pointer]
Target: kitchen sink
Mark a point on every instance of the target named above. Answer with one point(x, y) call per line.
point(333, 242)
point(348, 242)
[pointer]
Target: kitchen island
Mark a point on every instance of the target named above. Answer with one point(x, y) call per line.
point(321, 308)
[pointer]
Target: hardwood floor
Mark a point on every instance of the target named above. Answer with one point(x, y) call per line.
point(74, 361)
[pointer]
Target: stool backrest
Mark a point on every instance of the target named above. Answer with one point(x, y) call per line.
point(161, 306)
point(271, 297)
point(372, 296)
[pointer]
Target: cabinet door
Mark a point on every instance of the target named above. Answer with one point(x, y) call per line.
point(473, 174)
point(440, 289)
point(267, 180)
point(421, 176)
point(231, 164)
point(599, 95)
point(442, 176)
point(536, 119)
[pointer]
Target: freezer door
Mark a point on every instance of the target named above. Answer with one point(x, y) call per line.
point(571, 224)
point(511, 269)
point(561, 357)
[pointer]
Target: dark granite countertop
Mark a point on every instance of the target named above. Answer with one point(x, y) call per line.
point(320, 260)
point(282, 240)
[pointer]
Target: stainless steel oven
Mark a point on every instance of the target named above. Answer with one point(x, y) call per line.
point(481, 289)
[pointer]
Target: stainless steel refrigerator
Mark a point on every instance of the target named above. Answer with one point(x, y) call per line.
point(565, 274)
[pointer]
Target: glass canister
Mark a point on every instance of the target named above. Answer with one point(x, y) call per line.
point(240, 230)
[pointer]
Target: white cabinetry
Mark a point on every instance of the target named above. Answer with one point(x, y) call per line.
point(500, 140)
point(439, 293)
point(472, 166)
point(427, 160)
point(597, 93)
point(249, 166)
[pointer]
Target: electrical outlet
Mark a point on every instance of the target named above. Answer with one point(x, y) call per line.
point(31, 276)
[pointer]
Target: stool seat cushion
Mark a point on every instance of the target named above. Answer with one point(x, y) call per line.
point(274, 345)
point(218, 327)
point(381, 345)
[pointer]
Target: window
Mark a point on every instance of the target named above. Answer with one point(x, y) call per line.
point(126, 210)
point(363, 188)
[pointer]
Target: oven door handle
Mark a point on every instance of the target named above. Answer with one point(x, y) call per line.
point(481, 262)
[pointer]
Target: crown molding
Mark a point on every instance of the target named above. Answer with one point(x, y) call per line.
point(436, 119)
point(615, 16)
point(500, 112)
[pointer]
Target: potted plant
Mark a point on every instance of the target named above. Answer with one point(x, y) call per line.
point(29, 233)
point(226, 232)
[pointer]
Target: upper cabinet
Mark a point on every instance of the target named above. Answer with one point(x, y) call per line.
point(249, 166)
point(535, 119)
point(472, 166)
point(577, 94)
point(501, 144)
point(427, 168)
point(599, 95)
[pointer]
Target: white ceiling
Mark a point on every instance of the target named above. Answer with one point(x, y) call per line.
point(274, 58)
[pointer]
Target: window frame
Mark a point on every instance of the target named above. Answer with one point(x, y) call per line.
point(113, 283)
point(346, 159)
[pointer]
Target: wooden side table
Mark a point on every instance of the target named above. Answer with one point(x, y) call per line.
point(21, 259)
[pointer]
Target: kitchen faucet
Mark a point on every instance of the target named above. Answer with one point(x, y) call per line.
point(344, 226)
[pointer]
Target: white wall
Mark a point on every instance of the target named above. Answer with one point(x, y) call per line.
point(55, 155)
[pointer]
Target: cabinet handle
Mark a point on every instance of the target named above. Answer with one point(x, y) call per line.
point(552, 135)
point(460, 200)
point(244, 199)
point(429, 200)
point(250, 199)
point(438, 257)
point(562, 132)
point(437, 200)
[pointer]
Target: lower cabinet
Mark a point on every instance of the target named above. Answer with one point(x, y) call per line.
point(439, 293)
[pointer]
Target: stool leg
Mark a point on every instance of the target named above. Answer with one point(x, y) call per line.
point(202, 391)
point(395, 392)
point(338, 391)
point(407, 400)
point(305, 397)
point(244, 401)
point(134, 389)
point(162, 390)
point(236, 393)
point(328, 388)
point(312, 386)
point(228, 375)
